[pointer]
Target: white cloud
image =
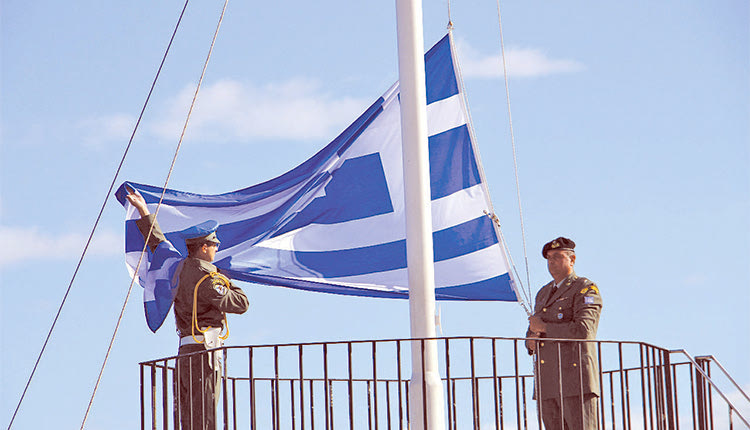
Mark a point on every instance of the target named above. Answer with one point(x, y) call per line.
point(107, 128)
point(232, 110)
point(521, 62)
point(31, 244)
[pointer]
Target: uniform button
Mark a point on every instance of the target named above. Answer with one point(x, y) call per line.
point(542, 344)
point(560, 308)
point(574, 365)
point(544, 309)
point(542, 361)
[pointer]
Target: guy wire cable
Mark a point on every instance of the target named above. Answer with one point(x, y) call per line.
point(98, 218)
point(158, 206)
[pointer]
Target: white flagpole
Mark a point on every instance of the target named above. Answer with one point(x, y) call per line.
point(419, 253)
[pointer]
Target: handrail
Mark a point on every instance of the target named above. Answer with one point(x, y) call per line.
point(712, 358)
point(713, 384)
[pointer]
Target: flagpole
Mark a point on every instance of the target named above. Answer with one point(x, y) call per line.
point(419, 252)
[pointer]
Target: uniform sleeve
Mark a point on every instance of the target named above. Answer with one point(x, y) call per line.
point(229, 299)
point(587, 306)
point(157, 236)
point(529, 333)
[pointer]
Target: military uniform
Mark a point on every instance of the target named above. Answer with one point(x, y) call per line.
point(570, 311)
point(197, 374)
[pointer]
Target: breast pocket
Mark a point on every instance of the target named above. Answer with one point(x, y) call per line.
point(563, 310)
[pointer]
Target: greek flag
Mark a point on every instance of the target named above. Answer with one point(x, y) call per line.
point(336, 223)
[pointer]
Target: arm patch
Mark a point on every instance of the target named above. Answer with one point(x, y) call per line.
point(591, 288)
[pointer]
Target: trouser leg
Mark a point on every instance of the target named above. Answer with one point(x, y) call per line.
point(580, 414)
point(197, 382)
point(551, 415)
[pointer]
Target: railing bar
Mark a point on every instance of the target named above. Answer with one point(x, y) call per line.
point(449, 393)
point(164, 397)
point(474, 388)
point(369, 404)
point(525, 409)
point(400, 399)
point(643, 386)
point(223, 383)
point(277, 394)
point(603, 419)
point(234, 404)
point(676, 399)
point(627, 396)
point(494, 384)
point(326, 389)
point(518, 400)
point(292, 404)
point(710, 396)
point(649, 370)
point(612, 399)
point(625, 413)
point(580, 380)
point(455, 415)
point(375, 380)
point(251, 387)
point(301, 389)
point(559, 384)
point(670, 391)
point(692, 395)
point(351, 400)
point(425, 424)
point(500, 395)
point(176, 396)
point(143, 400)
point(388, 403)
point(330, 387)
point(312, 405)
point(153, 397)
point(408, 419)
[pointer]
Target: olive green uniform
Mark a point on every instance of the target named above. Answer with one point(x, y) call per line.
point(570, 312)
point(197, 374)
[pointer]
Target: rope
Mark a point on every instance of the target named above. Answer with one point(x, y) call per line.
point(161, 199)
point(492, 216)
point(194, 326)
point(98, 218)
point(513, 144)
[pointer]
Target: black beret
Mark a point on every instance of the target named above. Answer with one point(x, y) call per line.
point(559, 243)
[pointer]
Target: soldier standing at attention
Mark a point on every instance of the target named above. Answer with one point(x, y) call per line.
point(202, 299)
point(566, 308)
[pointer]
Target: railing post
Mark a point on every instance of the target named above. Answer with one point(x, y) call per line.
point(669, 389)
point(700, 394)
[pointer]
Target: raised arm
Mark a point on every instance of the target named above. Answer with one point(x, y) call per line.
point(136, 199)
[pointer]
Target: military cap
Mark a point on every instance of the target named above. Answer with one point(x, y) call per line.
point(559, 243)
point(201, 233)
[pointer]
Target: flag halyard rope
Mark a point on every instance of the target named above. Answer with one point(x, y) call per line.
point(513, 145)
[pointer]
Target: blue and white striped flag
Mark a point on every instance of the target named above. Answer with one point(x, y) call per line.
point(336, 223)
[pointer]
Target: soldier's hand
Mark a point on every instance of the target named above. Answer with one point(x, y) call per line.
point(537, 325)
point(136, 199)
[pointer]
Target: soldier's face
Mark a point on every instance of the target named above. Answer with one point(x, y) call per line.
point(209, 251)
point(560, 263)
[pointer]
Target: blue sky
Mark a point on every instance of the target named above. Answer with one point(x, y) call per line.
point(631, 122)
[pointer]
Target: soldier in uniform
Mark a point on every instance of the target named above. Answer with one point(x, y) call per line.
point(202, 299)
point(567, 372)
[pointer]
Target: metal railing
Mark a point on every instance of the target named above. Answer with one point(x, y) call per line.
point(488, 383)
